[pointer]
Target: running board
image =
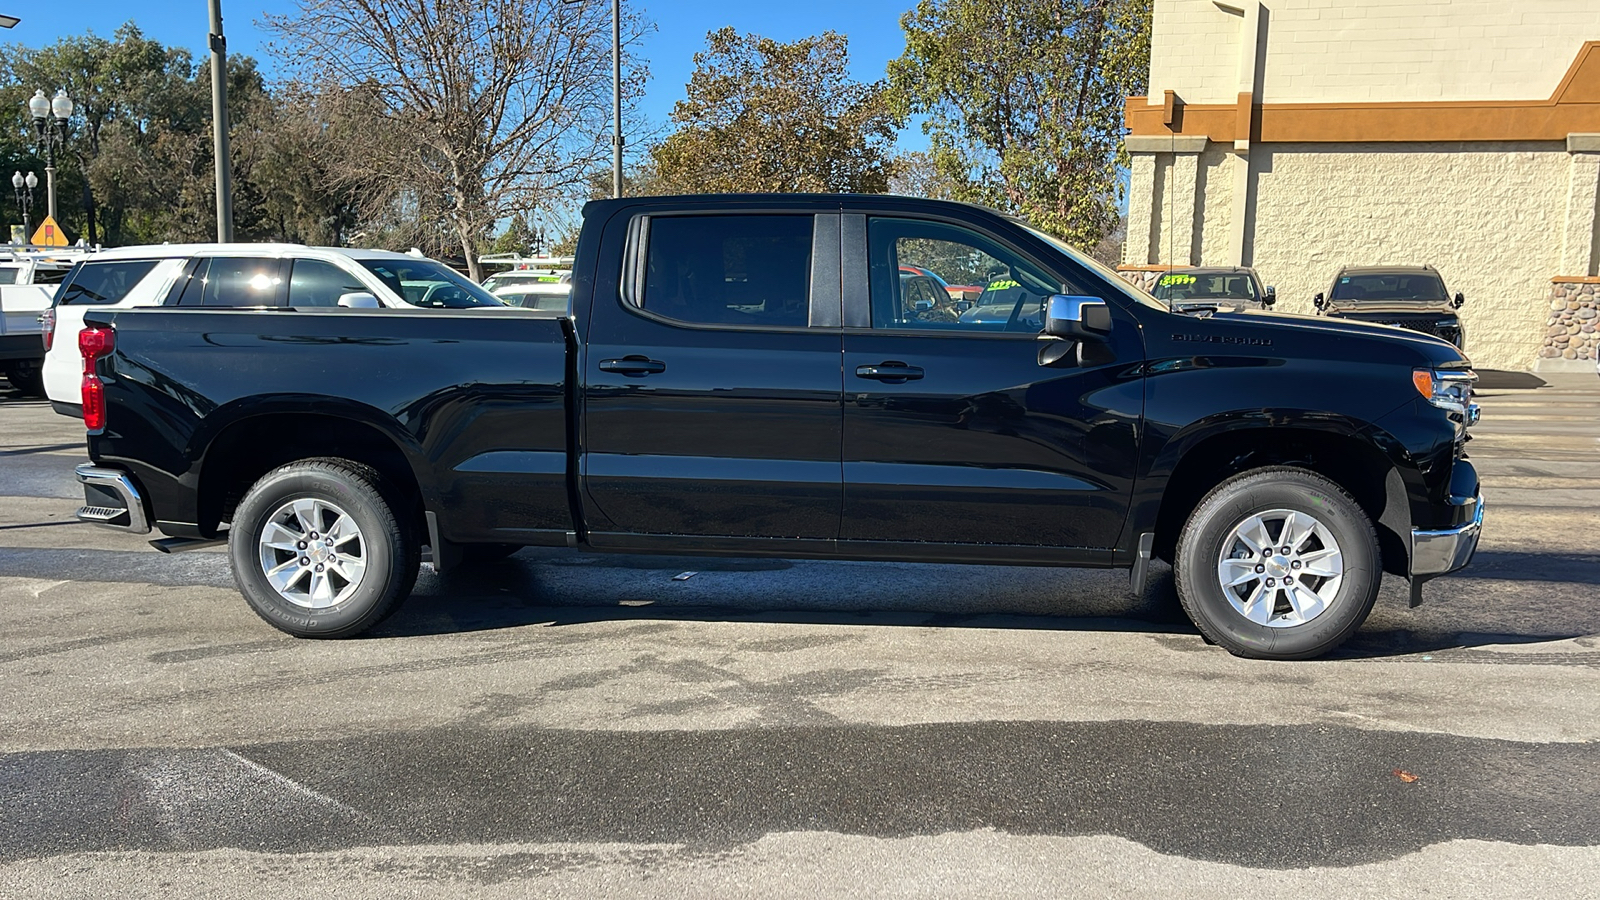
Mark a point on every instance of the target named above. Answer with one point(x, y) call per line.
point(180, 545)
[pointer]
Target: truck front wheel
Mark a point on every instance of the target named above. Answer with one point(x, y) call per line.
point(1278, 563)
point(318, 551)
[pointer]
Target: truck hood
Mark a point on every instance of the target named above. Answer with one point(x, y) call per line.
point(1291, 329)
point(1391, 307)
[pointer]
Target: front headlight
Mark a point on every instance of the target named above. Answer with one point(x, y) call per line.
point(1450, 390)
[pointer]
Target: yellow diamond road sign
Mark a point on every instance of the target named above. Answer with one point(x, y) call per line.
point(49, 234)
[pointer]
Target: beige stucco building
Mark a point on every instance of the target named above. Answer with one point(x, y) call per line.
point(1298, 136)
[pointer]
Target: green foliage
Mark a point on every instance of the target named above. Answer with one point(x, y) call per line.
point(1024, 103)
point(766, 116)
point(137, 166)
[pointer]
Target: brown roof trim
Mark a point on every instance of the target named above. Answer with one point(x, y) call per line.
point(1573, 107)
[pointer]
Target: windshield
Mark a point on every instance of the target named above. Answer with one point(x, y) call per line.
point(1111, 276)
point(1425, 287)
point(1191, 287)
point(429, 284)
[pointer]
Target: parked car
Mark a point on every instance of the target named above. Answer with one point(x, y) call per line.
point(532, 289)
point(1229, 289)
point(240, 275)
point(742, 375)
point(28, 279)
point(1412, 297)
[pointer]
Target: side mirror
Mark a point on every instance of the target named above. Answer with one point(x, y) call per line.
point(1075, 318)
point(358, 300)
point(1319, 302)
point(1270, 297)
point(1459, 300)
point(963, 305)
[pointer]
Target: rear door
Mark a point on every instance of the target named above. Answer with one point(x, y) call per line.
point(958, 443)
point(711, 380)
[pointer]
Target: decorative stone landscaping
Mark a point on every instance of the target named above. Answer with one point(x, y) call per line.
point(1572, 330)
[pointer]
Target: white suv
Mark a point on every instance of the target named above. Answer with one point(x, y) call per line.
point(239, 275)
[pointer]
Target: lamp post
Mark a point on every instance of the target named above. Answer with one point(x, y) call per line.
point(219, 123)
point(616, 95)
point(50, 125)
point(23, 187)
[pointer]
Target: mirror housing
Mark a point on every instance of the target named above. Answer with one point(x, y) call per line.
point(359, 300)
point(1319, 301)
point(1270, 297)
point(1075, 318)
point(1459, 300)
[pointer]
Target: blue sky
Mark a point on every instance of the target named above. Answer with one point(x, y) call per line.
point(873, 27)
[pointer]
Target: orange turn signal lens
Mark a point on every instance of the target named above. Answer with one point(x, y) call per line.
point(1423, 380)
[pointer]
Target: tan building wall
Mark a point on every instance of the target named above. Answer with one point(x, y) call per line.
point(1482, 157)
point(1382, 50)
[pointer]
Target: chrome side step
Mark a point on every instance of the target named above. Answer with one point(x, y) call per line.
point(111, 498)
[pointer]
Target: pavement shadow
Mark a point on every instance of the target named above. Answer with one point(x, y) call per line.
point(511, 593)
point(1497, 379)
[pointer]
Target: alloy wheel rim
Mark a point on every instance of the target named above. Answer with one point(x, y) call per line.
point(1280, 568)
point(312, 553)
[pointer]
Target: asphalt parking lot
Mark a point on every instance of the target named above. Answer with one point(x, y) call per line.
point(585, 726)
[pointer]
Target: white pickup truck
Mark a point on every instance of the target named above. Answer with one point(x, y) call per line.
point(28, 281)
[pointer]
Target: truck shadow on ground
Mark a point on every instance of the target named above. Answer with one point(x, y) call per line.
point(539, 588)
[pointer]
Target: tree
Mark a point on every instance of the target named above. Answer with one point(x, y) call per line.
point(765, 116)
point(1024, 100)
point(916, 174)
point(458, 113)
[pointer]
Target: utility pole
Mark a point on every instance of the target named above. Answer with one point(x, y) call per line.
point(219, 124)
point(616, 98)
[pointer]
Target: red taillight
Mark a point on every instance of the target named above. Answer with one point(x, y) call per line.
point(94, 343)
point(94, 403)
point(48, 320)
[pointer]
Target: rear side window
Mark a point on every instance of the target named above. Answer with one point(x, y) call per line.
point(104, 282)
point(233, 281)
point(729, 270)
point(49, 274)
point(314, 283)
point(8, 274)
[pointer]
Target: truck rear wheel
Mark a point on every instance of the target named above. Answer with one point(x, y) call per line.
point(1278, 563)
point(318, 551)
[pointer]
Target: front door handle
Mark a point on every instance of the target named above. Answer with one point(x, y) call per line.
point(891, 372)
point(633, 365)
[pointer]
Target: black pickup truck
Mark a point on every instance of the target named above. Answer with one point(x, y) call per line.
point(751, 375)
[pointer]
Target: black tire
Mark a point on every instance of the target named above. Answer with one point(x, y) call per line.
point(390, 549)
point(487, 553)
point(1213, 523)
point(26, 378)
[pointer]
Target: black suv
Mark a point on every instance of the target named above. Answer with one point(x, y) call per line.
point(1411, 297)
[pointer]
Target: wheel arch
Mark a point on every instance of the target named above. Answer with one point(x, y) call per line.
point(252, 444)
point(1348, 457)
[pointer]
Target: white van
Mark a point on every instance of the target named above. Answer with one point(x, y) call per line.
point(239, 275)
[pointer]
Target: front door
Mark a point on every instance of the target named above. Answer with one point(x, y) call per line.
point(711, 382)
point(954, 433)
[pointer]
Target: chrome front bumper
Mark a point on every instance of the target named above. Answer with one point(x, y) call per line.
point(111, 498)
point(1440, 552)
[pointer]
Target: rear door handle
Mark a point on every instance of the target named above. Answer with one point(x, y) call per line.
point(891, 372)
point(633, 365)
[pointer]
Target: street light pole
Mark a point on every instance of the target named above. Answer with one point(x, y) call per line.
point(219, 124)
point(50, 121)
point(23, 188)
point(616, 98)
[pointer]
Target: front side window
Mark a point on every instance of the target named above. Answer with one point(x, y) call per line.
point(104, 282)
point(315, 283)
point(937, 277)
point(729, 269)
point(429, 284)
